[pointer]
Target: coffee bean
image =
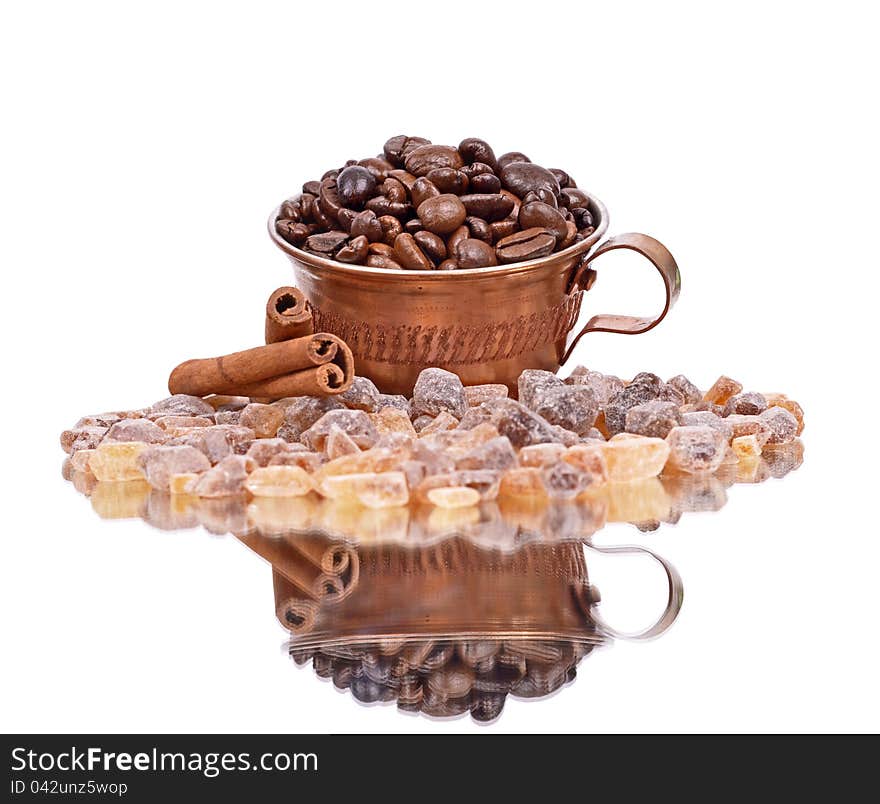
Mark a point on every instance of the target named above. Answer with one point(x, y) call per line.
point(563, 178)
point(378, 166)
point(329, 199)
point(293, 232)
point(442, 214)
point(311, 187)
point(502, 229)
point(326, 242)
point(479, 229)
point(413, 225)
point(366, 223)
point(485, 183)
point(432, 245)
point(525, 245)
point(423, 189)
point(509, 158)
point(582, 217)
point(447, 265)
point(473, 150)
point(525, 177)
point(572, 197)
point(355, 251)
point(461, 233)
point(381, 248)
point(476, 169)
point(381, 261)
point(448, 180)
point(394, 149)
point(541, 194)
point(385, 206)
point(571, 233)
point(489, 206)
point(540, 215)
point(420, 161)
point(320, 217)
point(355, 185)
point(330, 174)
point(307, 203)
point(409, 255)
point(345, 218)
point(391, 227)
point(394, 190)
point(473, 253)
point(406, 179)
point(290, 210)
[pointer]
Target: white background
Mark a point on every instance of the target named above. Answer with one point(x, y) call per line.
point(143, 147)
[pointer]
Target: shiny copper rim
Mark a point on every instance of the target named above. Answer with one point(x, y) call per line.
point(443, 276)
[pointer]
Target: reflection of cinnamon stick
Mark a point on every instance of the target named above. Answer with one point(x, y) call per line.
point(332, 558)
point(288, 315)
point(272, 370)
point(295, 614)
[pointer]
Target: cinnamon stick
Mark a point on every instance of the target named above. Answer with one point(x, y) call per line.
point(242, 373)
point(288, 315)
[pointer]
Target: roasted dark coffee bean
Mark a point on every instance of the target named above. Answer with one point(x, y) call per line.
point(381, 261)
point(587, 231)
point(293, 232)
point(326, 242)
point(290, 210)
point(413, 225)
point(448, 180)
point(311, 187)
point(563, 178)
point(381, 248)
point(582, 217)
point(488, 206)
point(473, 253)
point(320, 216)
point(395, 149)
point(385, 206)
point(543, 195)
point(509, 158)
point(525, 177)
point(394, 190)
point(391, 227)
point(516, 202)
point(366, 223)
point(572, 197)
point(355, 251)
point(409, 255)
point(345, 218)
point(329, 199)
point(461, 233)
point(447, 265)
point(570, 234)
point(378, 166)
point(406, 179)
point(423, 189)
point(355, 185)
point(529, 244)
point(473, 150)
point(307, 205)
point(540, 215)
point(330, 174)
point(479, 229)
point(485, 183)
point(476, 169)
point(442, 214)
point(431, 244)
point(502, 229)
point(420, 161)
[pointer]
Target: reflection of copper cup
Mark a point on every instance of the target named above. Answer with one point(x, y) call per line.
point(485, 324)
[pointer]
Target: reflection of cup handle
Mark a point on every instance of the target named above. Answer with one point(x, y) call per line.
point(659, 256)
point(673, 603)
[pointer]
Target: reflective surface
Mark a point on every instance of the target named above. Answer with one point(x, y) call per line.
point(444, 612)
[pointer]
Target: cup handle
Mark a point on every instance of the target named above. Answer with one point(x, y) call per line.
point(658, 255)
point(673, 602)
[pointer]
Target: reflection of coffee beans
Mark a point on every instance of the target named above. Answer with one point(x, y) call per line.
point(436, 207)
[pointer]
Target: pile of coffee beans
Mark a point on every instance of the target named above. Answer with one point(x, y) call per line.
point(420, 206)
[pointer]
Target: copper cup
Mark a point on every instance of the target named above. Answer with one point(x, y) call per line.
point(485, 324)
